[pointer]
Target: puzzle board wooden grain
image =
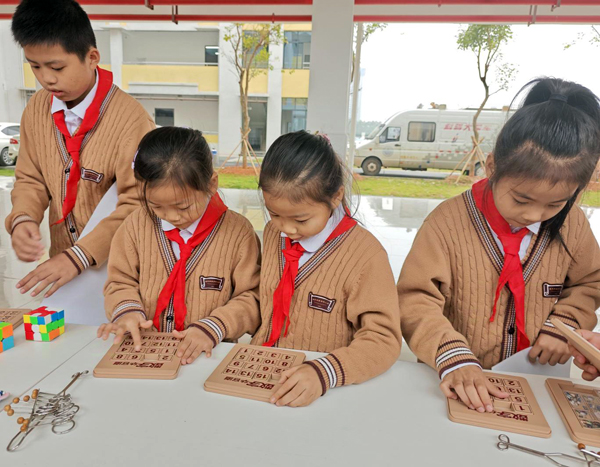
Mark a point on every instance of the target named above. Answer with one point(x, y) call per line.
point(155, 360)
point(519, 413)
point(579, 408)
point(252, 372)
point(585, 348)
point(13, 316)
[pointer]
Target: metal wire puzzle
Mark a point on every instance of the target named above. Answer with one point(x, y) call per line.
point(42, 408)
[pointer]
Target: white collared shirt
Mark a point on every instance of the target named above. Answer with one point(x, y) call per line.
point(186, 234)
point(74, 117)
point(533, 229)
point(312, 244)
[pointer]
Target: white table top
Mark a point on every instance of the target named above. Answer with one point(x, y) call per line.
point(398, 418)
point(28, 362)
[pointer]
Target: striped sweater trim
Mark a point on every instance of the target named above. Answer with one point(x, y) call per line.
point(128, 306)
point(19, 219)
point(550, 329)
point(80, 258)
point(320, 375)
point(453, 353)
point(331, 370)
point(206, 331)
point(214, 327)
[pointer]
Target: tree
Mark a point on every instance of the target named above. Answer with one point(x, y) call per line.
point(485, 42)
point(250, 46)
point(593, 37)
point(368, 30)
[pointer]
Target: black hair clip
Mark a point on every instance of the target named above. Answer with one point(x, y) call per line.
point(558, 97)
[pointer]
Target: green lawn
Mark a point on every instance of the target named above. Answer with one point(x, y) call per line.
point(7, 172)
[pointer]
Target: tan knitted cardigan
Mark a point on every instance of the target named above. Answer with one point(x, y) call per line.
point(106, 156)
point(221, 281)
point(448, 281)
point(344, 303)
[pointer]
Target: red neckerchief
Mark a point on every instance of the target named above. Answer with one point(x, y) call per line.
point(74, 142)
point(512, 271)
point(282, 298)
point(175, 286)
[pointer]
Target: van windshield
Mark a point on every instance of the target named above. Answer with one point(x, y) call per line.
point(374, 133)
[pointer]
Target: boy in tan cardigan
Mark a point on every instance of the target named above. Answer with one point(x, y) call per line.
point(78, 137)
point(489, 268)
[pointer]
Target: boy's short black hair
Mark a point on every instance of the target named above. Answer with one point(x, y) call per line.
point(54, 22)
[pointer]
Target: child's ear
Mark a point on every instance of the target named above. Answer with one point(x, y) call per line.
point(93, 56)
point(338, 197)
point(213, 185)
point(489, 165)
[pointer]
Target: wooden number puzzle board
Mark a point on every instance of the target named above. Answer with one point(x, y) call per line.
point(155, 360)
point(13, 316)
point(519, 413)
point(585, 348)
point(252, 372)
point(579, 408)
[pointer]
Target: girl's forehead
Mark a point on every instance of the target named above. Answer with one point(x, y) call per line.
point(541, 190)
point(168, 194)
point(284, 206)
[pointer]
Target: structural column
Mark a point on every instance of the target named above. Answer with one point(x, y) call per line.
point(274, 103)
point(330, 66)
point(116, 55)
point(12, 98)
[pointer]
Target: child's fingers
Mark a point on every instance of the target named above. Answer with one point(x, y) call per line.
point(494, 391)
point(189, 350)
point(282, 391)
point(134, 330)
point(208, 351)
point(564, 359)
point(147, 324)
point(555, 358)
point(292, 395)
point(100, 330)
point(183, 347)
point(447, 391)
point(179, 334)
point(534, 353)
point(287, 373)
point(544, 357)
point(119, 333)
point(484, 395)
point(460, 392)
point(50, 279)
point(196, 353)
point(473, 395)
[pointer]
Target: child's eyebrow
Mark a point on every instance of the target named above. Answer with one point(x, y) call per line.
point(51, 62)
point(295, 216)
point(523, 195)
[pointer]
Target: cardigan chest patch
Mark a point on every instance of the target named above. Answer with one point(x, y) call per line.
point(91, 175)
point(318, 302)
point(211, 283)
point(551, 290)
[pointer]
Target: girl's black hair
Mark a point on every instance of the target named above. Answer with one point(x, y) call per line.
point(301, 166)
point(553, 137)
point(173, 155)
point(54, 22)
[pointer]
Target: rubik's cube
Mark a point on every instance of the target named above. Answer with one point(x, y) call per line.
point(7, 340)
point(43, 324)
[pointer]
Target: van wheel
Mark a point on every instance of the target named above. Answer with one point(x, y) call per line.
point(371, 166)
point(4, 158)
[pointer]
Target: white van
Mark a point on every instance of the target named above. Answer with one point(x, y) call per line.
point(422, 139)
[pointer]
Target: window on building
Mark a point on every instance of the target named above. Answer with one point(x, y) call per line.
point(257, 110)
point(293, 115)
point(421, 132)
point(164, 117)
point(211, 54)
point(296, 50)
point(258, 61)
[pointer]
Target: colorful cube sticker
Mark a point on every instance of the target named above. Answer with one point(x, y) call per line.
point(7, 340)
point(44, 325)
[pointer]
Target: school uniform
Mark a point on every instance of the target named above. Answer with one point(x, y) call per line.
point(68, 160)
point(456, 307)
point(213, 285)
point(343, 301)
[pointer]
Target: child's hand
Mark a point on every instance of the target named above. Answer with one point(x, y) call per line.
point(27, 242)
point(548, 349)
point(470, 384)
point(301, 387)
point(57, 271)
point(131, 323)
point(590, 372)
point(195, 341)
